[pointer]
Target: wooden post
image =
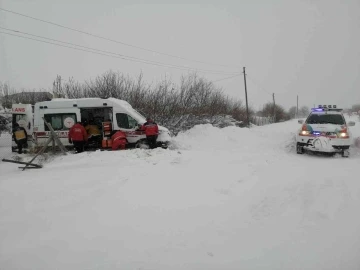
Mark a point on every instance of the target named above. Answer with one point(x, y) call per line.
point(53, 144)
point(52, 138)
point(42, 150)
point(246, 98)
point(21, 162)
point(55, 137)
point(274, 108)
point(297, 106)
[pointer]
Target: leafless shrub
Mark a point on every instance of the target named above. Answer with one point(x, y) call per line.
point(276, 111)
point(194, 100)
point(355, 108)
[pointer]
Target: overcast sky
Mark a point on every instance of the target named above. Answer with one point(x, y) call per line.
point(309, 48)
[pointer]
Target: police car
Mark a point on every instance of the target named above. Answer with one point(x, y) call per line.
point(324, 130)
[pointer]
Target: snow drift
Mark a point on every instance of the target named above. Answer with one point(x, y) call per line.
point(228, 198)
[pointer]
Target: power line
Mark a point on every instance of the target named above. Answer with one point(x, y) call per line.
point(112, 40)
point(227, 78)
point(258, 85)
point(109, 54)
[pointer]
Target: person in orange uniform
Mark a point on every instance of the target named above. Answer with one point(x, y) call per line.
point(78, 136)
point(151, 131)
point(93, 131)
point(118, 140)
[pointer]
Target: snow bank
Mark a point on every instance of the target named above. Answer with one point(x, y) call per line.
point(355, 130)
point(5, 145)
point(5, 140)
point(236, 139)
point(230, 198)
point(207, 136)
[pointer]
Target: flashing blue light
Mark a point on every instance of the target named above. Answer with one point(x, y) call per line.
point(316, 133)
point(317, 109)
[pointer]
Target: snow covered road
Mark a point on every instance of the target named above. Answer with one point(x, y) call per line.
point(5, 145)
point(227, 198)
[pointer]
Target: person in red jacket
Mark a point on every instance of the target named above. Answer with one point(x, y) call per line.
point(78, 136)
point(118, 140)
point(151, 131)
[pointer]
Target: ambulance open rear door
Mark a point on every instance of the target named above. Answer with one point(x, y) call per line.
point(23, 114)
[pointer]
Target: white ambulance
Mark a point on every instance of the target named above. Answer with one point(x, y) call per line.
point(23, 114)
point(62, 114)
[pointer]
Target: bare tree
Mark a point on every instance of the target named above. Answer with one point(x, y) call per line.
point(195, 99)
point(355, 108)
point(304, 111)
point(292, 112)
point(58, 90)
point(280, 113)
point(5, 93)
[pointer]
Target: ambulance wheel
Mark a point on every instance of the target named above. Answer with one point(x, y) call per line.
point(299, 149)
point(142, 145)
point(164, 145)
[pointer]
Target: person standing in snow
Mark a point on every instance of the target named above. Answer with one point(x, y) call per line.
point(151, 131)
point(20, 137)
point(118, 140)
point(78, 136)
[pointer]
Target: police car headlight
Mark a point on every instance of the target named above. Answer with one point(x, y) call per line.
point(344, 135)
point(304, 132)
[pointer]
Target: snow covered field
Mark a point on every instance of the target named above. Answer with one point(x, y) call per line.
point(227, 198)
point(5, 145)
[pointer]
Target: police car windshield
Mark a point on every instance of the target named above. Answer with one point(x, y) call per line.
point(335, 119)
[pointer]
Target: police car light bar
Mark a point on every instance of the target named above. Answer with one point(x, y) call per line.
point(317, 109)
point(323, 108)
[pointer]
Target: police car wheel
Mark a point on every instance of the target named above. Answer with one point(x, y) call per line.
point(299, 149)
point(345, 153)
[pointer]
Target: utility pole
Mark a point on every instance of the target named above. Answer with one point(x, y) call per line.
point(247, 107)
point(274, 108)
point(297, 106)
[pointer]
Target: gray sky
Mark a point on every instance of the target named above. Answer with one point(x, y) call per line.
point(308, 48)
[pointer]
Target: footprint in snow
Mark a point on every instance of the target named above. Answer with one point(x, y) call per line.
point(224, 191)
point(176, 161)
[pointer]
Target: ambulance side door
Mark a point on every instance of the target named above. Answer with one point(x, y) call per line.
point(126, 123)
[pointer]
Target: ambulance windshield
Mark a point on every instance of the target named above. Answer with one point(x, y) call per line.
point(18, 117)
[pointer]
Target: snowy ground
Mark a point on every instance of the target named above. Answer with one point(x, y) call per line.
point(227, 198)
point(5, 145)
